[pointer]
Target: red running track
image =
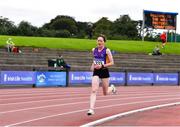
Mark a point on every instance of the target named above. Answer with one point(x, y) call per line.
point(68, 106)
point(169, 116)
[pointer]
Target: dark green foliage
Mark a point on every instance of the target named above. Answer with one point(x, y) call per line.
point(26, 29)
point(64, 26)
point(102, 27)
point(7, 27)
point(123, 28)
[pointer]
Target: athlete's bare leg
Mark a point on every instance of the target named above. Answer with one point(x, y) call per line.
point(105, 85)
point(95, 87)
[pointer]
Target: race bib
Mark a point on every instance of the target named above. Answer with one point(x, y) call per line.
point(99, 61)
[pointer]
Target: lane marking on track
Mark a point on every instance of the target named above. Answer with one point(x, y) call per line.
point(80, 102)
point(16, 98)
point(77, 111)
point(110, 118)
point(47, 90)
point(101, 96)
point(74, 91)
point(39, 94)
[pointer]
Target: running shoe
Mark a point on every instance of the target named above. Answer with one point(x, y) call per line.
point(114, 91)
point(90, 112)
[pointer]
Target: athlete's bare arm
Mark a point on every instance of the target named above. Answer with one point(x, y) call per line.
point(92, 66)
point(110, 57)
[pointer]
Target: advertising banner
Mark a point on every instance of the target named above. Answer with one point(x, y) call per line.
point(140, 78)
point(166, 78)
point(86, 77)
point(17, 77)
point(117, 78)
point(80, 77)
point(50, 79)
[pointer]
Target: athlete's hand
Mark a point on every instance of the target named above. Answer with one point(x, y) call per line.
point(92, 67)
point(97, 66)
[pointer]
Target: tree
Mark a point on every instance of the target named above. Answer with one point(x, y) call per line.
point(83, 29)
point(66, 26)
point(7, 27)
point(102, 26)
point(124, 26)
point(63, 23)
point(26, 29)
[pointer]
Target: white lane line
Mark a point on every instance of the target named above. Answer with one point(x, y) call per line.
point(39, 101)
point(66, 113)
point(59, 89)
point(45, 90)
point(80, 102)
point(41, 94)
point(101, 96)
point(64, 92)
point(16, 98)
point(77, 111)
point(110, 118)
point(68, 95)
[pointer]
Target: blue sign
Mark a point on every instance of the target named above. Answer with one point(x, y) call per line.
point(140, 78)
point(51, 79)
point(86, 77)
point(166, 78)
point(80, 77)
point(117, 77)
point(17, 77)
point(0, 79)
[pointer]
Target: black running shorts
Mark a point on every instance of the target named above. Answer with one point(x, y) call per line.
point(102, 73)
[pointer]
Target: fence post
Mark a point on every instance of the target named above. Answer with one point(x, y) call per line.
point(34, 85)
point(67, 77)
point(153, 78)
point(178, 78)
point(125, 78)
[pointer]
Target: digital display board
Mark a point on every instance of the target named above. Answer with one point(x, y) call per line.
point(160, 20)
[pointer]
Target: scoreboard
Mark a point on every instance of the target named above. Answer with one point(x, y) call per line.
point(160, 20)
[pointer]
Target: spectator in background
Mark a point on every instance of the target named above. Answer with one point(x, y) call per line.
point(156, 51)
point(61, 63)
point(9, 44)
point(163, 39)
point(16, 49)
